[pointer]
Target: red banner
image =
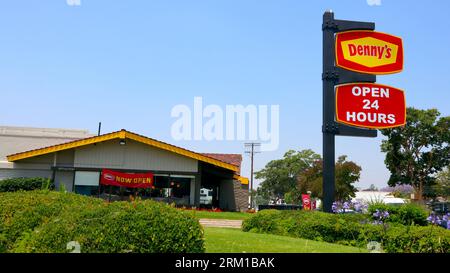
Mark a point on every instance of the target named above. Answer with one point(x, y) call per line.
point(135, 180)
point(306, 199)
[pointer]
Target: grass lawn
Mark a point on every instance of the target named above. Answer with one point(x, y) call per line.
point(225, 240)
point(219, 215)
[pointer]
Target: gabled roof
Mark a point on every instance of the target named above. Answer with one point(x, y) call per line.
point(233, 159)
point(123, 134)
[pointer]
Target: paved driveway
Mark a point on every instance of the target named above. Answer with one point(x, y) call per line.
point(221, 223)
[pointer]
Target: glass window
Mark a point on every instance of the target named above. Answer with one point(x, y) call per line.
point(87, 183)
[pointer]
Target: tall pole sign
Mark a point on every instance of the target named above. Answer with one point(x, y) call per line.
point(353, 105)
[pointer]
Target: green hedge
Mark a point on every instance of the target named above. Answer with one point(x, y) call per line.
point(319, 226)
point(22, 212)
point(25, 184)
point(350, 229)
point(417, 239)
point(99, 227)
point(409, 214)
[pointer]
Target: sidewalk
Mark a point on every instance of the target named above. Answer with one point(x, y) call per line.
point(222, 223)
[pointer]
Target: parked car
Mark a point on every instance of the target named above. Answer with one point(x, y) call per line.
point(439, 207)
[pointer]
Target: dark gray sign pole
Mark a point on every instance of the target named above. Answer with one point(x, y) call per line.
point(331, 77)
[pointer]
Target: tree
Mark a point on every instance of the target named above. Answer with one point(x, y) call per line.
point(371, 188)
point(416, 152)
point(442, 186)
point(347, 173)
point(257, 198)
point(280, 176)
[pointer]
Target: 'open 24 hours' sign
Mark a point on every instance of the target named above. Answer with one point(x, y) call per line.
point(370, 105)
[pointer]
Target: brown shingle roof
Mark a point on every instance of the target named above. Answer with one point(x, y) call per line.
point(233, 159)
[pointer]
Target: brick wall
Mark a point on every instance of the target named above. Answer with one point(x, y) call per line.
point(241, 196)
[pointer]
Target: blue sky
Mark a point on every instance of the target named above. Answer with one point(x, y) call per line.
point(127, 63)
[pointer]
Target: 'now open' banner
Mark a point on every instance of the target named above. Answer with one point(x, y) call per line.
point(135, 180)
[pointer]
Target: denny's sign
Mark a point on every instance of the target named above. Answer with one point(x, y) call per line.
point(369, 52)
point(136, 180)
point(353, 103)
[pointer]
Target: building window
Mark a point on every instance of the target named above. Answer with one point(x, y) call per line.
point(172, 189)
point(87, 183)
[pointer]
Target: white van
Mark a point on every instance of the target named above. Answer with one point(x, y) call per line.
point(206, 196)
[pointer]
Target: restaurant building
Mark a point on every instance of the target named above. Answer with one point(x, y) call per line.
point(123, 163)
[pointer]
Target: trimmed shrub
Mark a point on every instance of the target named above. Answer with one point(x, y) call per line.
point(264, 221)
point(417, 239)
point(351, 229)
point(412, 214)
point(119, 227)
point(408, 214)
point(311, 225)
point(139, 227)
point(25, 184)
point(393, 210)
point(22, 212)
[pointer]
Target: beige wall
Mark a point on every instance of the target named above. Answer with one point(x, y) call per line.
point(20, 139)
point(132, 156)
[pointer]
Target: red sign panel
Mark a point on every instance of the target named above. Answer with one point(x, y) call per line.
point(370, 105)
point(369, 52)
point(137, 180)
point(306, 200)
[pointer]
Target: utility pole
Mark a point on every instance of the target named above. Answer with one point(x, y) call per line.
point(99, 128)
point(252, 153)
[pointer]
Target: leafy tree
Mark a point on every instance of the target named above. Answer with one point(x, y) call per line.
point(442, 186)
point(416, 152)
point(280, 176)
point(347, 173)
point(290, 197)
point(258, 198)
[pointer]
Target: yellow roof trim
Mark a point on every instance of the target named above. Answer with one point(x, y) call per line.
point(243, 180)
point(122, 135)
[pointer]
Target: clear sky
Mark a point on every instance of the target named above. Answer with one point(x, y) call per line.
point(128, 63)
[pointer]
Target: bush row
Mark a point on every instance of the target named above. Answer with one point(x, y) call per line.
point(25, 184)
point(409, 214)
point(308, 225)
point(45, 221)
point(347, 229)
